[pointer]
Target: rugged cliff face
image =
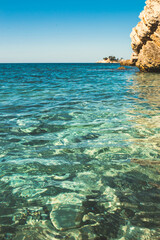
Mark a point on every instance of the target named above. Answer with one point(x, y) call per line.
point(146, 38)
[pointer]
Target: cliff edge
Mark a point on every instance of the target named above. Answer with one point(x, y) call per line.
point(146, 38)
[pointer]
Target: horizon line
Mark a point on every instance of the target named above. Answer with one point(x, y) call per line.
point(52, 63)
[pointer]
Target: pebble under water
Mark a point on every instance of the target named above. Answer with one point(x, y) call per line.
point(80, 152)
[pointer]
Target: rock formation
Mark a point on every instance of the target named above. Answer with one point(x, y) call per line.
point(146, 38)
point(127, 62)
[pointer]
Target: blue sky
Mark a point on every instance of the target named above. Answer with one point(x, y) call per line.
point(66, 30)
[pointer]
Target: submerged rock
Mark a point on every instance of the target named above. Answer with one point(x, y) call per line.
point(146, 38)
point(66, 211)
point(121, 68)
point(66, 217)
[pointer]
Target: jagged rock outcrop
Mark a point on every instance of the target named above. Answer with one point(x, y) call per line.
point(146, 38)
point(127, 62)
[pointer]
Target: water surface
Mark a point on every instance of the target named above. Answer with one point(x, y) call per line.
point(80, 152)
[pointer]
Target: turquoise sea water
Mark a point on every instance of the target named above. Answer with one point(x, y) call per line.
point(80, 152)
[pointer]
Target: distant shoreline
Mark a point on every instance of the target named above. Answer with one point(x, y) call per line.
point(107, 61)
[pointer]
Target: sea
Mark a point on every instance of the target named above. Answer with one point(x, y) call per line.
point(79, 152)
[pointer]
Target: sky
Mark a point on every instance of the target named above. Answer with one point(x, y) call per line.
point(66, 30)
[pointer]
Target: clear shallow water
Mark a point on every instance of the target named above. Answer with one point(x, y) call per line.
point(80, 152)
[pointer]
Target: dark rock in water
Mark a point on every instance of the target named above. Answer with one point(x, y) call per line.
point(146, 38)
point(121, 68)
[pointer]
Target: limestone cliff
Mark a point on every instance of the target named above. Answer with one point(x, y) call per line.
point(146, 38)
